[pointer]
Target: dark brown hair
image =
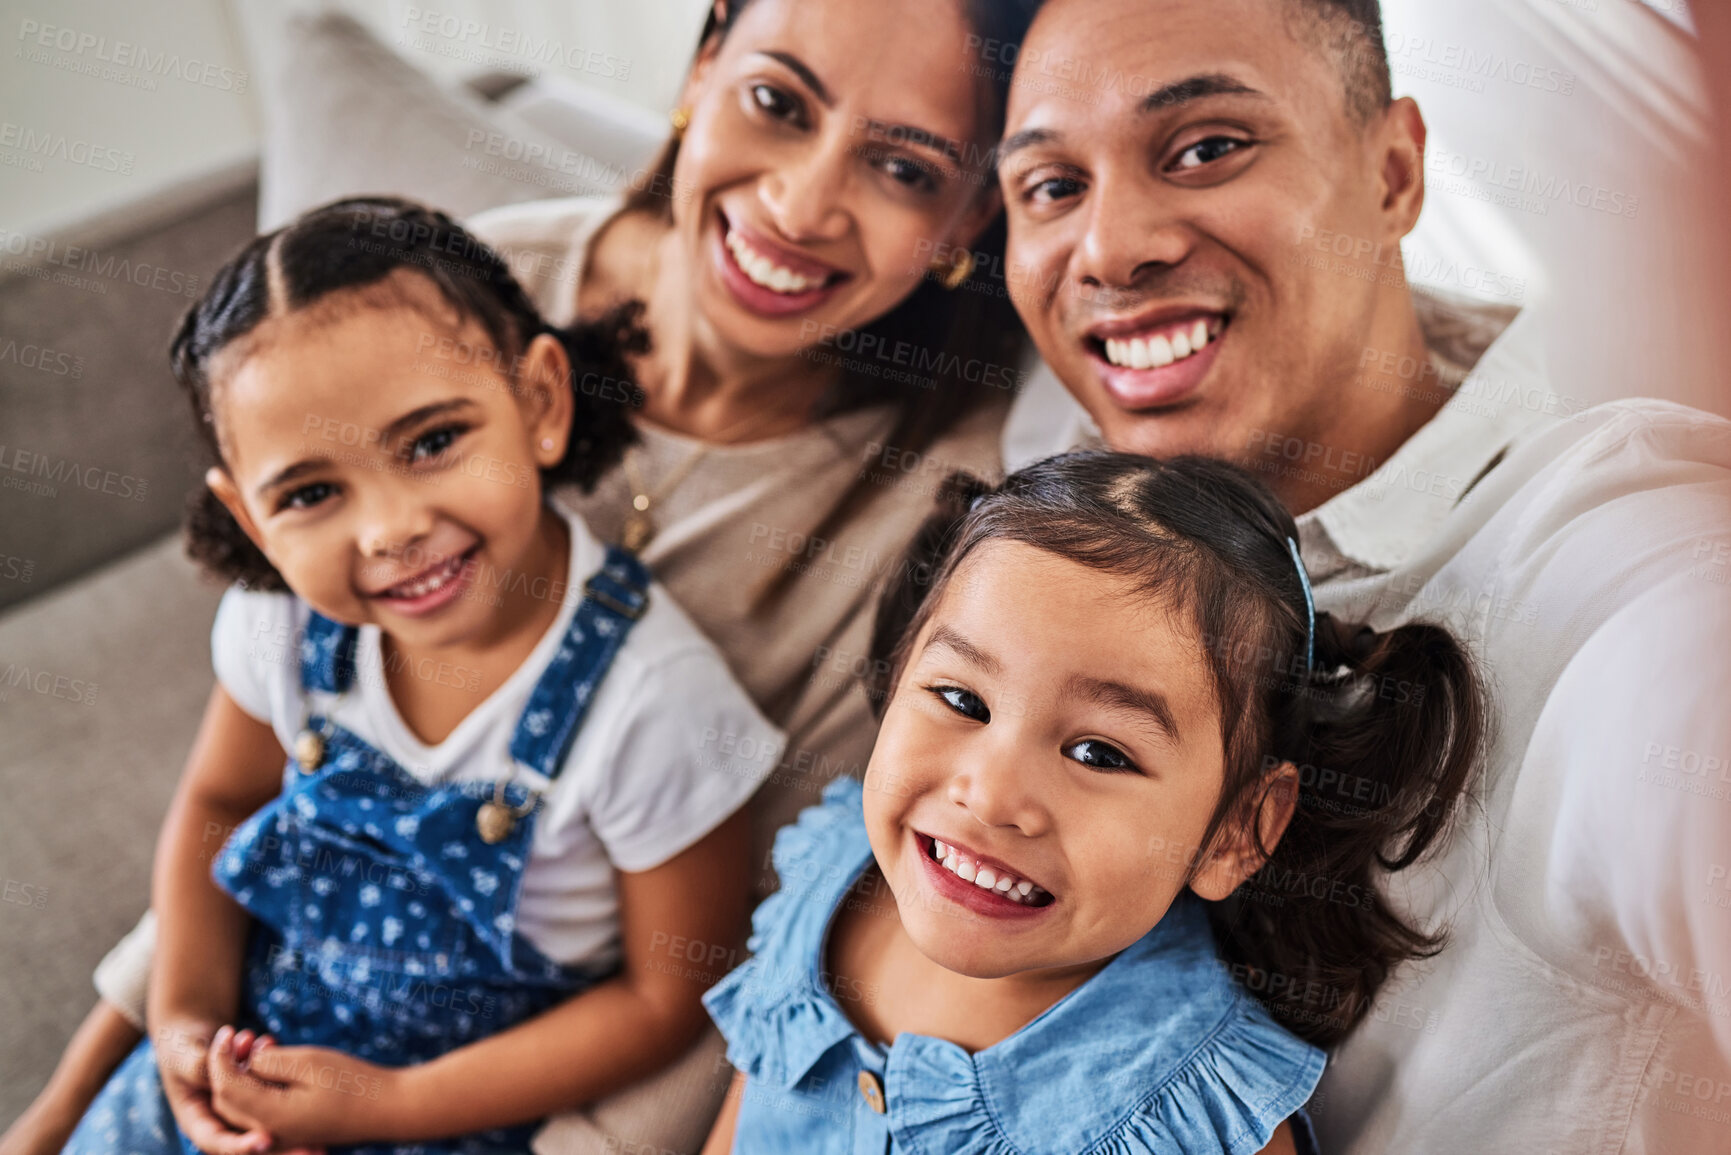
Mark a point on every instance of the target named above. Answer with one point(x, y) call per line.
point(359, 244)
point(1386, 727)
point(969, 341)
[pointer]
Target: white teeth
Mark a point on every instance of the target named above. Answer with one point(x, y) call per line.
point(1161, 350)
point(421, 587)
point(762, 271)
point(1015, 889)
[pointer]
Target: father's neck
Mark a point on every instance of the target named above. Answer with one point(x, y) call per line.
point(1389, 388)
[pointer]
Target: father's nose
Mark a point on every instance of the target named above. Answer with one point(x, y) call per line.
point(1129, 234)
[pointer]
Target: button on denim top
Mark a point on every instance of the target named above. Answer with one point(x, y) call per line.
point(1158, 1052)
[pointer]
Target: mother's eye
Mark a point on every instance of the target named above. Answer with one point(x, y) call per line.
point(1207, 151)
point(909, 172)
point(1098, 755)
point(964, 702)
point(777, 104)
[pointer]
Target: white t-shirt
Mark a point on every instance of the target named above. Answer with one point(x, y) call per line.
point(669, 748)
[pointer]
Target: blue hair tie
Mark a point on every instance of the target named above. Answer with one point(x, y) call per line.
point(1309, 609)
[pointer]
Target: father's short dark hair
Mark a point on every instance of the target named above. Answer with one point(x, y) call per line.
point(1351, 32)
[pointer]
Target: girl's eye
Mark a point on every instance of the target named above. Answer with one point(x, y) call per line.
point(964, 702)
point(1208, 151)
point(1098, 755)
point(306, 496)
point(434, 442)
point(776, 103)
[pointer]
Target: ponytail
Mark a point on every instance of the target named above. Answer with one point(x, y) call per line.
point(1386, 738)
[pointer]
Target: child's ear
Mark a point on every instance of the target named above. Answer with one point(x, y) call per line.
point(217, 480)
point(1267, 813)
point(544, 389)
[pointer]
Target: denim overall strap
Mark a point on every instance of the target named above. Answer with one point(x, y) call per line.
point(327, 653)
point(613, 598)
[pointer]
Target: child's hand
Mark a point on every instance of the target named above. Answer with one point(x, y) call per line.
point(181, 1059)
point(302, 1097)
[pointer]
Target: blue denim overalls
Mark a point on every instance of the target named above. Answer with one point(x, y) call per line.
point(384, 908)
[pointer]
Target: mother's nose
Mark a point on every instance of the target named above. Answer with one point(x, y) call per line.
point(804, 194)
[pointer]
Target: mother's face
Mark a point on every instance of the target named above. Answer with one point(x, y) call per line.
point(835, 147)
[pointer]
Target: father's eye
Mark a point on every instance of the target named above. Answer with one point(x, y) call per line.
point(776, 103)
point(1052, 189)
point(434, 442)
point(1207, 151)
point(964, 702)
point(307, 496)
point(1098, 755)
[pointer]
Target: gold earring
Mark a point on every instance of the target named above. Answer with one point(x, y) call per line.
point(959, 269)
point(680, 118)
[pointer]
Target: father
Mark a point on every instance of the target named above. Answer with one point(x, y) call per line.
point(1206, 201)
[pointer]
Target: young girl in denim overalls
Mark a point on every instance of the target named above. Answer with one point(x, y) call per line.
point(1110, 884)
point(438, 923)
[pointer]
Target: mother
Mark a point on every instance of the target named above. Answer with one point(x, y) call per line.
point(818, 254)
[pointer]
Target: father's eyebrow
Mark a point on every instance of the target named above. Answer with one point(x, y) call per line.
point(944, 637)
point(1118, 696)
point(1167, 96)
point(1196, 88)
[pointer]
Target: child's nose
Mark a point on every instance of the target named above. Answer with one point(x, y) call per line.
point(394, 523)
point(996, 787)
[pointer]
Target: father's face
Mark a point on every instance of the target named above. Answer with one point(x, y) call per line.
point(1168, 166)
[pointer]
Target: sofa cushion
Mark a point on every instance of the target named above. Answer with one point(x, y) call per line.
point(346, 116)
point(102, 684)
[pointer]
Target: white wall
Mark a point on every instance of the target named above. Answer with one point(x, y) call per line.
point(130, 98)
point(105, 102)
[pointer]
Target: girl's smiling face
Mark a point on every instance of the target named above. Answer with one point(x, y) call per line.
point(1053, 727)
point(388, 484)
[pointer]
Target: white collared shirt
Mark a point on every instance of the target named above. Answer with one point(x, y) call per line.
point(1583, 1002)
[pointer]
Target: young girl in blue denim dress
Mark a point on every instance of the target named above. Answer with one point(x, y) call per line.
point(460, 767)
point(1110, 884)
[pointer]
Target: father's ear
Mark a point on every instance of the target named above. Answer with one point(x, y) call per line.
point(1399, 142)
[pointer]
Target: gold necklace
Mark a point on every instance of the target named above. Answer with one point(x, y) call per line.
point(640, 528)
